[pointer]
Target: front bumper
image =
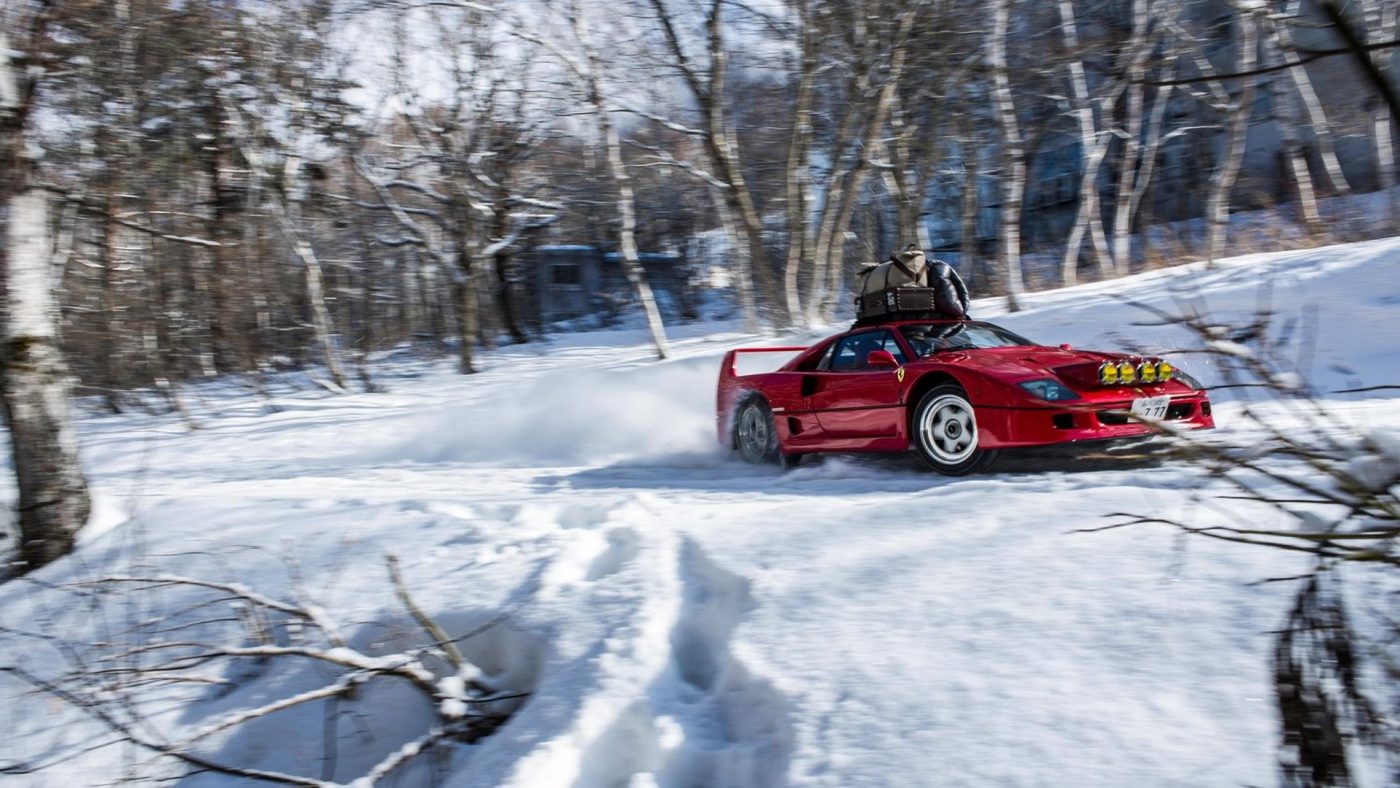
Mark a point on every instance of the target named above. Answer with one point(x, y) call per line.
point(1043, 425)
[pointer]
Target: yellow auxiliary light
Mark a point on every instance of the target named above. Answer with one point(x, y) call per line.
point(1126, 374)
point(1108, 373)
point(1165, 372)
point(1147, 372)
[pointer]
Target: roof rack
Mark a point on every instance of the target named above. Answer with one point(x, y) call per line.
point(897, 317)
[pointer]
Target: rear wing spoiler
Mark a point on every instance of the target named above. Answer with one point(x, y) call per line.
point(729, 367)
point(730, 388)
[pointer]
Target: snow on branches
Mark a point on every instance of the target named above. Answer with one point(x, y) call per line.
point(264, 664)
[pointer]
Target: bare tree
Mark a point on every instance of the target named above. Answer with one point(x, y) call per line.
point(1141, 133)
point(1239, 111)
point(707, 82)
point(449, 171)
point(586, 74)
point(915, 146)
point(970, 155)
point(878, 56)
point(1335, 487)
point(275, 117)
point(1013, 157)
point(1133, 188)
point(1091, 112)
point(1317, 115)
point(797, 176)
point(1284, 102)
point(222, 635)
point(53, 496)
point(589, 73)
point(1382, 20)
point(291, 217)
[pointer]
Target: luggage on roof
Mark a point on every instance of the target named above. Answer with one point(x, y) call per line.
point(908, 287)
point(909, 301)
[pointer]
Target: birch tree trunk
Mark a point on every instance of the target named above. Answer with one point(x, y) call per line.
point(798, 179)
point(53, 498)
point(820, 243)
point(1013, 160)
point(1227, 170)
point(739, 263)
point(970, 263)
point(1287, 115)
point(724, 149)
point(878, 116)
point(627, 211)
point(109, 262)
point(1317, 116)
point(910, 153)
point(1132, 156)
point(1382, 20)
point(720, 143)
point(116, 155)
point(1094, 150)
point(1148, 167)
point(313, 276)
point(626, 199)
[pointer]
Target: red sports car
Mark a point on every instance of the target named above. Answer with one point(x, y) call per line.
point(955, 391)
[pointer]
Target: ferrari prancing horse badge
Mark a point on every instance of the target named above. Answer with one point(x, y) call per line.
point(899, 373)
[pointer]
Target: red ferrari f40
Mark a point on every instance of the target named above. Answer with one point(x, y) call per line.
point(956, 392)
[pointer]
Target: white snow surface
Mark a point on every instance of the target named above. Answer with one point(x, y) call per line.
point(682, 619)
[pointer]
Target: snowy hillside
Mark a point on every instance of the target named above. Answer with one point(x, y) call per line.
point(681, 619)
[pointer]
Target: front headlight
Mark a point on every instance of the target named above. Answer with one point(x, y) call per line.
point(1048, 390)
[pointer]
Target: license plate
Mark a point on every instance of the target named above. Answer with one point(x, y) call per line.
point(1151, 408)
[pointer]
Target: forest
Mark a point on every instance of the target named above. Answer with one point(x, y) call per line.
point(231, 186)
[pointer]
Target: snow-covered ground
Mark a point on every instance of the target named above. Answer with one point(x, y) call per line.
point(684, 620)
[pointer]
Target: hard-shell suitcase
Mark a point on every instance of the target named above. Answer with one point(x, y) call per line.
point(908, 299)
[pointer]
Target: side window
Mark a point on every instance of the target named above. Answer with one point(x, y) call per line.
point(823, 362)
point(850, 354)
point(853, 352)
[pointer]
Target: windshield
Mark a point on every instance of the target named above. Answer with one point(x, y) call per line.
point(936, 337)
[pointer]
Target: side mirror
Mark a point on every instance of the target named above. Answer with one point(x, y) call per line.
point(881, 359)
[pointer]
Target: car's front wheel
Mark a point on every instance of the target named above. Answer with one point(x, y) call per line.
point(945, 432)
point(755, 436)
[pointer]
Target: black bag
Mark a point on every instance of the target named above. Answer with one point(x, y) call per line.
point(909, 299)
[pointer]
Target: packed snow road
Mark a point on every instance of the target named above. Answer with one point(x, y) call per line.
point(685, 620)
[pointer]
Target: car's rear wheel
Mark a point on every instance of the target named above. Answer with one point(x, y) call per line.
point(755, 436)
point(945, 432)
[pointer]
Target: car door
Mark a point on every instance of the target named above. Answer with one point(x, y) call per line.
point(850, 399)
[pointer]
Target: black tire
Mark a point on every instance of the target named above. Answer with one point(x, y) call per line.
point(944, 431)
point(755, 435)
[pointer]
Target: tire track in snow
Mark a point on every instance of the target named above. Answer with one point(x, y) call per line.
point(736, 726)
point(643, 688)
point(608, 600)
point(623, 544)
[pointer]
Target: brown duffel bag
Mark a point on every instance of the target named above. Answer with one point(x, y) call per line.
point(909, 299)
